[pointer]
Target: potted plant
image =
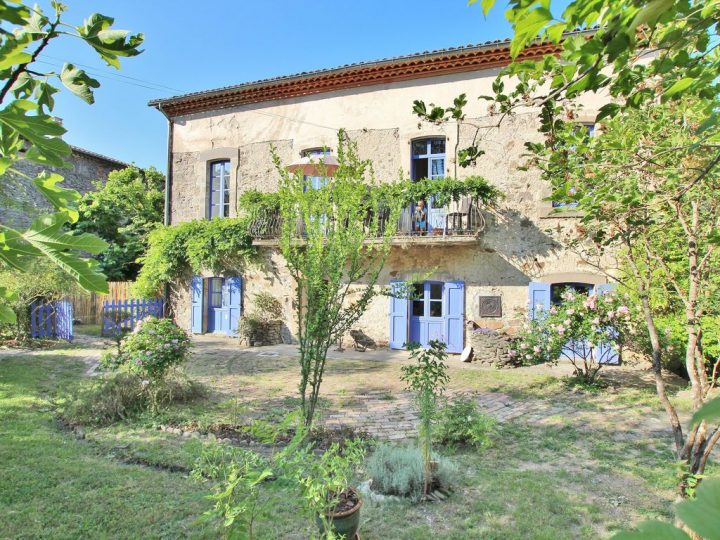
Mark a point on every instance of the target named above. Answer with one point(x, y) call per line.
point(325, 486)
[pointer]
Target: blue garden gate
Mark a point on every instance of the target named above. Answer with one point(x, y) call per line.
point(51, 320)
point(122, 315)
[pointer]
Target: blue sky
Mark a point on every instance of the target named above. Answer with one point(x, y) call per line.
point(192, 46)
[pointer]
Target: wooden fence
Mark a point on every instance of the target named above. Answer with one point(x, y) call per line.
point(88, 308)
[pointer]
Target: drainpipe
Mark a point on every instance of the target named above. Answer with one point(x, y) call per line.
point(168, 199)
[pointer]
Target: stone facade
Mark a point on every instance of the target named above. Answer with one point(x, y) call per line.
point(20, 202)
point(522, 241)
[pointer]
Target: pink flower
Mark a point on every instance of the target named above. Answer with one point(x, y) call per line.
point(553, 310)
point(623, 310)
point(513, 353)
point(523, 346)
point(567, 322)
point(610, 314)
point(560, 329)
point(536, 349)
point(571, 311)
point(528, 356)
point(596, 321)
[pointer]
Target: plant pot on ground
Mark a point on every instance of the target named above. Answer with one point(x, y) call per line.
point(345, 517)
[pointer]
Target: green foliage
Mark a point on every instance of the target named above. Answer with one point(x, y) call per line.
point(461, 423)
point(193, 246)
point(43, 281)
point(123, 212)
point(154, 347)
point(582, 328)
point(238, 495)
point(30, 132)
point(427, 378)
point(400, 470)
point(333, 257)
point(700, 515)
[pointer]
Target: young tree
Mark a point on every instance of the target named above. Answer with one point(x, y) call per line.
point(28, 131)
point(335, 240)
point(123, 212)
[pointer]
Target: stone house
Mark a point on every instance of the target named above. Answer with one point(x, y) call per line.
point(486, 265)
point(20, 202)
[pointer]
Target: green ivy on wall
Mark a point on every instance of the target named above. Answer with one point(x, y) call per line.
point(194, 246)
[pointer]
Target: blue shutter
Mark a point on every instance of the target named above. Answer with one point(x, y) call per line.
point(196, 310)
point(455, 316)
point(539, 298)
point(398, 317)
point(234, 285)
point(605, 353)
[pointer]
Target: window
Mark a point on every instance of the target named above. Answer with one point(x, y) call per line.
point(215, 285)
point(316, 152)
point(428, 159)
point(558, 289)
point(219, 189)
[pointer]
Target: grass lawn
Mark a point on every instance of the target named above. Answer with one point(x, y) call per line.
point(565, 479)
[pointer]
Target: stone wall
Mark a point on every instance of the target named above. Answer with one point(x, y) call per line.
point(20, 202)
point(491, 347)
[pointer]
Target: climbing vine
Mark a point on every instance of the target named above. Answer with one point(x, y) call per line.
point(198, 245)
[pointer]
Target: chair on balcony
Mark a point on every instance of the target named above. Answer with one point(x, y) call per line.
point(457, 218)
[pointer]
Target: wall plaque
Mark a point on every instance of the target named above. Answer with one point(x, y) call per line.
point(490, 306)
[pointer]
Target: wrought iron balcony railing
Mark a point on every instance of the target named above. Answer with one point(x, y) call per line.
point(458, 219)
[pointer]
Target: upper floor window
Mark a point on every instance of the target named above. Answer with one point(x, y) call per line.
point(428, 159)
point(219, 189)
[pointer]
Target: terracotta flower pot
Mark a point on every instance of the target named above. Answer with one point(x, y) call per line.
point(345, 523)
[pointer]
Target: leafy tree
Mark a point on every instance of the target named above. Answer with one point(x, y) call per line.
point(28, 131)
point(123, 212)
point(335, 259)
point(638, 191)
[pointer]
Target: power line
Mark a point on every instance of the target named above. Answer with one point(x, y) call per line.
point(114, 74)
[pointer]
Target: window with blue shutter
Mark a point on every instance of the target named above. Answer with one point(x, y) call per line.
point(605, 353)
point(196, 308)
point(219, 189)
point(539, 298)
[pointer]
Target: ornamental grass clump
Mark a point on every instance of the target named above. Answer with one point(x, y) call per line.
point(460, 423)
point(588, 330)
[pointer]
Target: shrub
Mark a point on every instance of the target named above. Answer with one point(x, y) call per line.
point(217, 461)
point(155, 346)
point(106, 400)
point(461, 423)
point(400, 470)
point(267, 307)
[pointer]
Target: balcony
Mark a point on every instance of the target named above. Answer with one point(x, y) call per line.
point(458, 222)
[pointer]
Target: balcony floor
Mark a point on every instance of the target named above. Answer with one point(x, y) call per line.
point(400, 240)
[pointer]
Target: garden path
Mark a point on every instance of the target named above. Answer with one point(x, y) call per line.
point(362, 390)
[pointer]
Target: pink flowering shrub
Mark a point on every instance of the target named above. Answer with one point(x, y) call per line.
point(586, 330)
point(153, 347)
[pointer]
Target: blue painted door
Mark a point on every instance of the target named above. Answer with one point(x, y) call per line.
point(398, 316)
point(218, 319)
point(437, 312)
point(196, 309)
point(454, 293)
point(234, 306)
point(224, 305)
point(605, 353)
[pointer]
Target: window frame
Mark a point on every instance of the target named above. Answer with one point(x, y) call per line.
point(223, 188)
point(429, 156)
